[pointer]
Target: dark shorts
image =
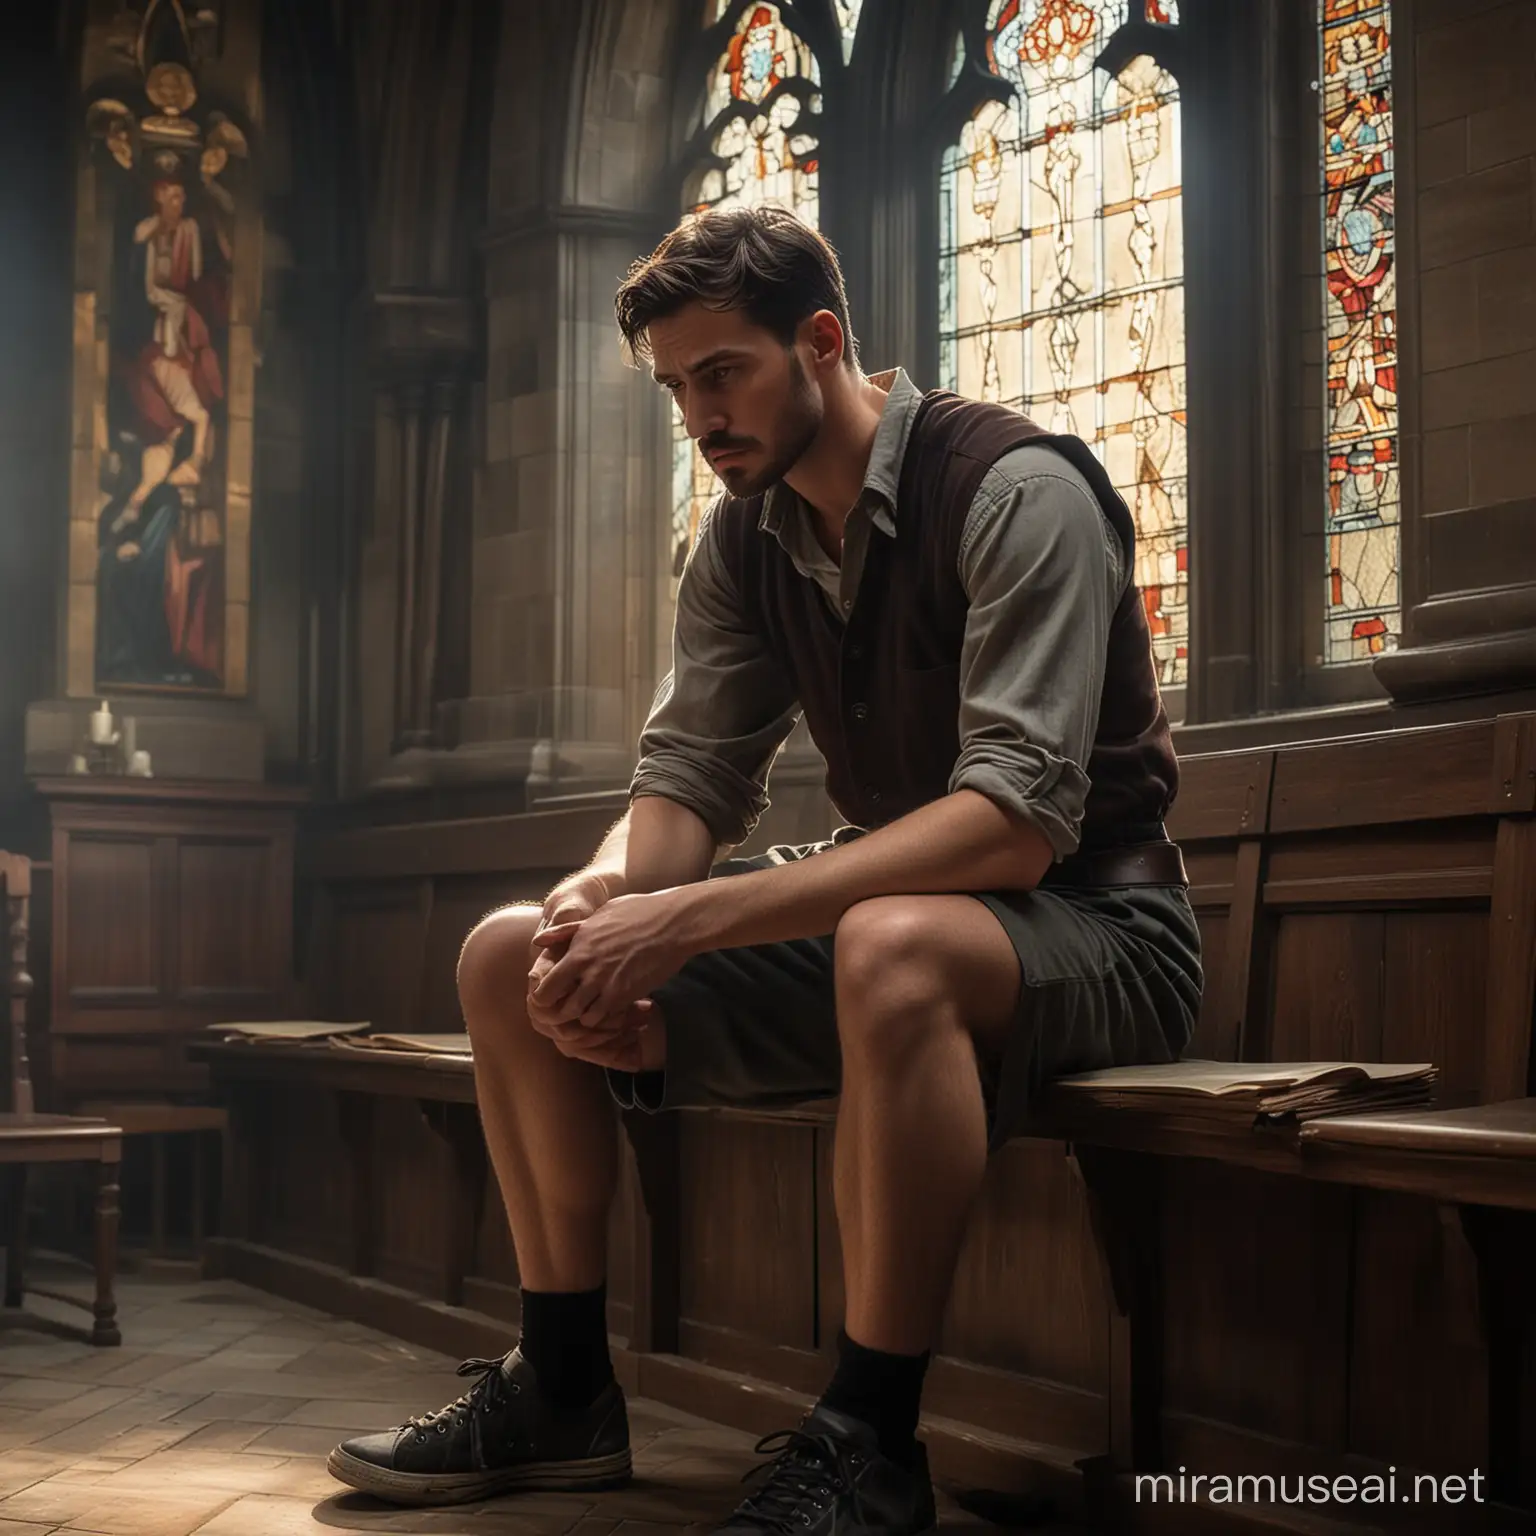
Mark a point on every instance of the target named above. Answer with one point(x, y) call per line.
point(1110, 976)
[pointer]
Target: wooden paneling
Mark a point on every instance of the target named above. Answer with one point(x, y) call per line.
point(112, 927)
point(1392, 776)
point(1511, 961)
point(1207, 1042)
point(831, 1295)
point(373, 962)
point(1027, 1295)
point(225, 903)
point(1327, 987)
point(1378, 867)
point(749, 1229)
point(301, 1187)
point(410, 1207)
point(1257, 1321)
point(1418, 1370)
point(172, 908)
point(1434, 969)
point(1224, 794)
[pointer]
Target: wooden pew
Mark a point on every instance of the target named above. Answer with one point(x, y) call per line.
point(1359, 899)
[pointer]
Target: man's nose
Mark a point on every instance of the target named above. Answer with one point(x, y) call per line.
point(701, 417)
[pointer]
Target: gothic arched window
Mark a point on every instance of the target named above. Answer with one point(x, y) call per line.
point(1061, 263)
point(758, 142)
point(1360, 309)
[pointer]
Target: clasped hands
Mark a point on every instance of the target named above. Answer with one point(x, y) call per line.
point(595, 962)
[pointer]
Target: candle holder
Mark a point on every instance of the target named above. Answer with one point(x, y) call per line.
point(105, 757)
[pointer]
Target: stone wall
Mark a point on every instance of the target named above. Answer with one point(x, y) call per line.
point(1470, 347)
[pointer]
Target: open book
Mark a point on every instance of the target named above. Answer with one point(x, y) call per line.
point(287, 1031)
point(1301, 1090)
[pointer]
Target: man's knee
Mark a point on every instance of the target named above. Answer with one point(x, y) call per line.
point(494, 963)
point(891, 974)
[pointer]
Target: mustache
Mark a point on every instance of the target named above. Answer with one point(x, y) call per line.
point(718, 442)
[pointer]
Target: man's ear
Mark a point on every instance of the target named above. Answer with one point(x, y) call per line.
point(823, 332)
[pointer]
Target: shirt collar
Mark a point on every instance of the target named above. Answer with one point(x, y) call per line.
point(902, 398)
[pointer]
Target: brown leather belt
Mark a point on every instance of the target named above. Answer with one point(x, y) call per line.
point(1158, 863)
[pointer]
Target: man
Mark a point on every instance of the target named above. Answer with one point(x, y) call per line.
point(946, 595)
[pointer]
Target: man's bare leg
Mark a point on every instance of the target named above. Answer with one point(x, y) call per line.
point(549, 1122)
point(923, 984)
point(550, 1415)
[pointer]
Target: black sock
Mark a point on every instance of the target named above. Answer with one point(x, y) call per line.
point(565, 1340)
point(884, 1391)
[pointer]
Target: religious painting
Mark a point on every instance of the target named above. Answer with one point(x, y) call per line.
point(1062, 268)
point(760, 147)
point(170, 461)
point(1363, 604)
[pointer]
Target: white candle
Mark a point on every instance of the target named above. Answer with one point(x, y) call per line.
point(101, 725)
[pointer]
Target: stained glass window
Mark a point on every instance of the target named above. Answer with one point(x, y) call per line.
point(1062, 266)
point(760, 109)
point(848, 23)
point(1360, 310)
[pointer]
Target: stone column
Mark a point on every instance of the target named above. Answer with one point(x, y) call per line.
point(1467, 210)
point(570, 526)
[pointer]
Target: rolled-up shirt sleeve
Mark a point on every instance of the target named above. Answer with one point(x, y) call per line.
point(1044, 572)
point(724, 710)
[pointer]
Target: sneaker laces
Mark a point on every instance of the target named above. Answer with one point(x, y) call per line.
point(489, 1393)
point(805, 1468)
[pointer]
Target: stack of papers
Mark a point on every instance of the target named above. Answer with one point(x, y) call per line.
point(1227, 1090)
point(424, 1045)
point(286, 1031)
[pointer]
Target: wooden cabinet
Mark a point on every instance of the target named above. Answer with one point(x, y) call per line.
point(172, 908)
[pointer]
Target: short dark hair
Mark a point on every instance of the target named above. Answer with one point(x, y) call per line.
point(763, 261)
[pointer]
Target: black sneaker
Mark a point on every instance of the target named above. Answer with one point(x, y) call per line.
point(829, 1476)
point(503, 1434)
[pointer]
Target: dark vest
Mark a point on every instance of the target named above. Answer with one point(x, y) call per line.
point(881, 693)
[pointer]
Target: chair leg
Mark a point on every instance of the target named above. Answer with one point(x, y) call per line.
point(16, 1248)
point(105, 1330)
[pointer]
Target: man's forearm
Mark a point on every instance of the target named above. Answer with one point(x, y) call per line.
point(655, 845)
point(963, 842)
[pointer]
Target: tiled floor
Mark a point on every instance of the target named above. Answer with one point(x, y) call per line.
point(217, 1413)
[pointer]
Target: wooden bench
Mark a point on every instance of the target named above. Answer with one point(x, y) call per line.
point(1215, 1297)
point(1478, 1163)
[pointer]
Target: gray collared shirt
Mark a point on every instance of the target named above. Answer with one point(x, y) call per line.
point(1043, 571)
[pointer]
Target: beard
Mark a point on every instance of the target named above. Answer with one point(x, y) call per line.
point(793, 433)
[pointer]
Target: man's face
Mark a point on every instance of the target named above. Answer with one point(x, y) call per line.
point(752, 405)
point(173, 202)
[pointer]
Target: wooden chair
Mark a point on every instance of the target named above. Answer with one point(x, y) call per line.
point(27, 1137)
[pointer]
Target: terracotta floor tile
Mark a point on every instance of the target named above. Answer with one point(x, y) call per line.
point(296, 1440)
point(260, 1515)
point(250, 1407)
point(355, 1417)
point(90, 1507)
point(223, 1435)
point(216, 1417)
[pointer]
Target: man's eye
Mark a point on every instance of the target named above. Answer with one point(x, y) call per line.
point(720, 375)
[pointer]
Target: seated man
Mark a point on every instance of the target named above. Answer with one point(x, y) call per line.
point(946, 592)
